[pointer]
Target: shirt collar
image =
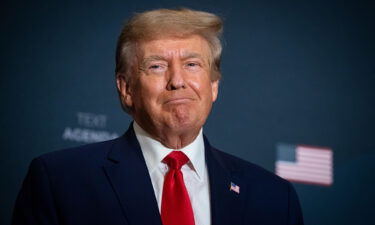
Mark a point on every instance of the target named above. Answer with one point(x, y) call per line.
point(154, 152)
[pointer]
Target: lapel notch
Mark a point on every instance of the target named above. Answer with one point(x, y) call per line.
point(130, 180)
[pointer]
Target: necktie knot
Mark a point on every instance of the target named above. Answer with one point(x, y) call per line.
point(175, 160)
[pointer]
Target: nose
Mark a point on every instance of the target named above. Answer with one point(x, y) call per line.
point(176, 78)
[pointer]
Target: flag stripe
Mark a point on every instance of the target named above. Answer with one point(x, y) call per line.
point(307, 179)
point(314, 152)
point(310, 182)
point(286, 174)
point(315, 161)
point(308, 164)
point(317, 166)
point(301, 155)
point(303, 169)
point(306, 172)
point(315, 149)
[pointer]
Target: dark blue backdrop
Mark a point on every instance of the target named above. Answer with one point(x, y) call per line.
point(293, 72)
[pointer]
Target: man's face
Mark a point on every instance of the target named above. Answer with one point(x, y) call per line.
point(173, 91)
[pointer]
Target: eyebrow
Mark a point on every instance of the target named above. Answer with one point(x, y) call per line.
point(185, 56)
point(153, 58)
point(188, 55)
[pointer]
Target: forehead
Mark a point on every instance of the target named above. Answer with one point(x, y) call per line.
point(170, 47)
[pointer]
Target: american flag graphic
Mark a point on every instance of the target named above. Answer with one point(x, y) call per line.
point(305, 164)
point(234, 187)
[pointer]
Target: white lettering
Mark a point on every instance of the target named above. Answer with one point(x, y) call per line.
point(91, 120)
point(87, 135)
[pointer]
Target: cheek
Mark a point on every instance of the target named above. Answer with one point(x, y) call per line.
point(205, 90)
point(200, 84)
point(150, 90)
point(195, 85)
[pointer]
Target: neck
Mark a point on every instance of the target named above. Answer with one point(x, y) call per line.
point(174, 140)
point(171, 138)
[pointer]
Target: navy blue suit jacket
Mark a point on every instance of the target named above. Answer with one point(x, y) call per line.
point(108, 183)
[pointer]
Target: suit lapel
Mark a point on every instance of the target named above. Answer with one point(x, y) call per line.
point(227, 207)
point(131, 182)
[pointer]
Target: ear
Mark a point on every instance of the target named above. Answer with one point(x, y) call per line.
point(214, 89)
point(124, 91)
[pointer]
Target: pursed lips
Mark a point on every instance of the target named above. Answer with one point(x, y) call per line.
point(178, 100)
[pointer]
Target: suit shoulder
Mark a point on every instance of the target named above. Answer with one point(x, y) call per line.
point(248, 169)
point(79, 154)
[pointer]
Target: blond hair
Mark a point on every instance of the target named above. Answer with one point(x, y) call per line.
point(154, 24)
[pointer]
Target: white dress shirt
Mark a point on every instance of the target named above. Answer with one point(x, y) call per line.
point(194, 172)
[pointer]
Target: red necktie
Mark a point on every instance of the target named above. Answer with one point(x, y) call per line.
point(175, 205)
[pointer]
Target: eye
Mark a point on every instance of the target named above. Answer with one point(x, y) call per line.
point(192, 64)
point(154, 67)
point(157, 68)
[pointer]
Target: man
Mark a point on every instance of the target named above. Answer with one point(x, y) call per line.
point(162, 170)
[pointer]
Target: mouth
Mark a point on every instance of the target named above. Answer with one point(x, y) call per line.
point(180, 100)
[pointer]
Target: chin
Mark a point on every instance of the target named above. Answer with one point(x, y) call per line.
point(180, 114)
point(185, 129)
point(186, 125)
point(184, 118)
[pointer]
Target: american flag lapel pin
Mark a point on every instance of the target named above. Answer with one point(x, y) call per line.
point(234, 187)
